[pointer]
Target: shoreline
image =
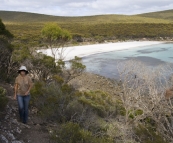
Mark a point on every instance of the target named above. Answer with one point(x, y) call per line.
point(87, 50)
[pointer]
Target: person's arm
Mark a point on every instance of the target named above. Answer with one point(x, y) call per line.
point(30, 86)
point(15, 90)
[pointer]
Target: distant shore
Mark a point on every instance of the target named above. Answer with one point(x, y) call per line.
point(86, 50)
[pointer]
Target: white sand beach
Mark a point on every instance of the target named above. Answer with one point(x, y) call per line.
point(68, 53)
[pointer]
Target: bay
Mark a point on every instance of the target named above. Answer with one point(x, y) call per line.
point(105, 64)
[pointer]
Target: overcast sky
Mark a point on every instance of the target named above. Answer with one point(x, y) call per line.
point(86, 7)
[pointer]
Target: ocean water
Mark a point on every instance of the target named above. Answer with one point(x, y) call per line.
point(105, 64)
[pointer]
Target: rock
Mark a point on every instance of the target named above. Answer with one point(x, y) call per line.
point(18, 130)
point(14, 108)
point(14, 121)
point(11, 136)
point(27, 126)
point(3, 139)
point(6, 117)
point(17, 142)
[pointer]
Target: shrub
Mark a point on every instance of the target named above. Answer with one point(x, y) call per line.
point(52, 99)
point(99, 101)
point(148, 134)
point(120, 110)
point(135, 113)
point(74, 111)
point(72, 133)
point(3, 99)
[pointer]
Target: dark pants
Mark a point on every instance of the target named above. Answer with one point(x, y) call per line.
point(23, 102)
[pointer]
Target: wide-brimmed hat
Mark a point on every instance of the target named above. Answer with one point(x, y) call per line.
point(23, 68)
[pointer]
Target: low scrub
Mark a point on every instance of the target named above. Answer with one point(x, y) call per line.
point(3, 99)
point(102, 103)
point(148, 134)
point(73, 133)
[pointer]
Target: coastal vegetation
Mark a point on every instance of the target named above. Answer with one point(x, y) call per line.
point(26, 27)
point(30, 33)
point(167, 15)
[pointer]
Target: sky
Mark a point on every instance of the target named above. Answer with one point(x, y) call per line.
point(86, 7)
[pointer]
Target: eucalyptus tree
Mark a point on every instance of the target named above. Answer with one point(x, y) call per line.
point(55, 38)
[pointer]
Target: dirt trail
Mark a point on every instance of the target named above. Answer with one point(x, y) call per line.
point(13, 131)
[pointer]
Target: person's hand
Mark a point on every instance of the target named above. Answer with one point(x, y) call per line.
point(14, 97)
point(27, 93)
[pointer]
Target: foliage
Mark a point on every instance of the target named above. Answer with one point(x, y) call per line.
point(72, 133)
point(76, 68)
point(120, 110)
point(41, 66)
point(52, 99)
point(4, 32)
point(3, 99)
point(44, 67)
point(148, 134)
point(76, 64)
point(61, 103)
point(20, 53)
point(101, 102)
point(91, 32)
point(134, 113)
point(54, 35)
point(6, 50)
point(167, 15)
point(115, 27)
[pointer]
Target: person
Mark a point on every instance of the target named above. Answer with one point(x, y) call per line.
point(22, 87)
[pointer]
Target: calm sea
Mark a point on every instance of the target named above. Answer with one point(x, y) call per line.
point(105, 63)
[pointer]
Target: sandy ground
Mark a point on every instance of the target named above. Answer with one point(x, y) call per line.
point(68, 53)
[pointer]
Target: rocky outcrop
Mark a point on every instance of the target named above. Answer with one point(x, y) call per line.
point(10, 128)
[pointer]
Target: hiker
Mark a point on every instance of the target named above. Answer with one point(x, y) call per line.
point(22, 87)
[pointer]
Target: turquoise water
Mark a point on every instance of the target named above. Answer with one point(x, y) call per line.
point(105, 63)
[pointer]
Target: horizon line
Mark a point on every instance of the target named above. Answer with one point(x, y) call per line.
point(83, 15)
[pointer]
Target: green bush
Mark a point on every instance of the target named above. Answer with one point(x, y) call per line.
point(99, 101)
point(73, 133)
point(52, 99)
point(120, 110)
point(3, 99)
point(135, 113)
point(97, 125)
point(74, 109)
point(148, 134)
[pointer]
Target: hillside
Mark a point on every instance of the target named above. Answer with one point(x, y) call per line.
point(26, 27)
point(167, 15)
point(16, 17)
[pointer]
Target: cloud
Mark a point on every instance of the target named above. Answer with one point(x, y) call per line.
point(86, 7)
